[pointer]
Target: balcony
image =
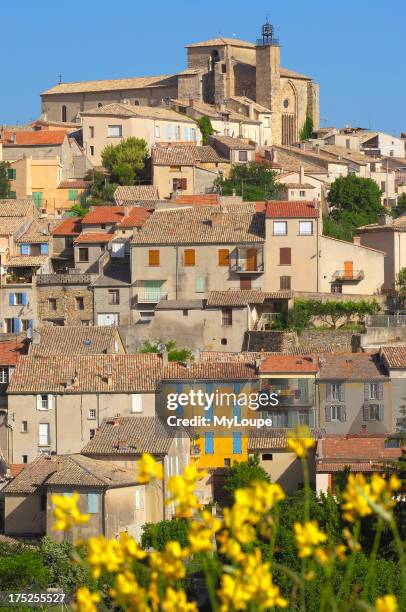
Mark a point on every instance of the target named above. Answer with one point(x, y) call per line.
point(248, 261)
point(148, 296)
point(292, 392)
point(348, 276)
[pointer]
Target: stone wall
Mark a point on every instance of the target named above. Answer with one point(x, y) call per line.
point(312, 340)
point(66, 305)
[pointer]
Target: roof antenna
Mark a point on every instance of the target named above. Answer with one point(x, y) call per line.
point(60, 79)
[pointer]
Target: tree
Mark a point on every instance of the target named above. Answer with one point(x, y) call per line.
point(4, 182)
point(307, 129)
point(206, 128)
point(254, 181)
point(130, 153)
point(400, 209)
point(181, 355)
point(78, 210)
point(101, 189)
point(123, 173)
point(243, 473)
point(354, 201)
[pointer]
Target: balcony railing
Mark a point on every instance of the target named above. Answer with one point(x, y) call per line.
point(247, 261)
point(346, 276)
point(151, 297)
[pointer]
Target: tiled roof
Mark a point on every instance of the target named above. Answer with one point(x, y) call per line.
point(292, 74)
point(395, 356)
point(75, 340)
point(16, 208)
point(351, 366)
point(242, 297)
point(221, 42)
point(130, 435)
point(10, 352)
point(71, 226)
point(103, 214)
point(9, 225)
point(69, 471)
point(87, 237)
point(16, 468)
point(74, 184)
point(397, 225)
point(110, 84)
point(290, 363)
point(198, 200)
point(234, 143)
point(213, 111)
point(133, 193)
point(199, 225)
point(145, 112)
point(353, 466)
point(136, 217)
point(180, 305)
point(32, 138)
point(36, 233)
point(274, 439)
point(23, 261)
point(185, 155)
point(89, 373)
point(359, 452)
point(347, 154)
point(299, 186)
point(278, 209)
point(210, 371)
point(247, 101)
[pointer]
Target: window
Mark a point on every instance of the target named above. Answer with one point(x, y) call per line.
point(13, 326)
point(37, 197)
point(153, 257)
point(91, 150)
point(79, 303)
point(114, 296)
point(189, 257)
point(373, 391)
point(99, 105)
point(92, 433)
point(63, 114)
point(305, 228)
point(224, 257)
point(11, 174)
point(93, 503)
point(17, 299)
point(168, 132)
point(177, 133)
point(136, 402)
point(224, 341)
point(43, 248)
point(114, 131)
point(242, 156)
point(85, 323)
point(157, 131)
point(52, 304)
point(200, 284)
point(383, 185)
point(185, 312)
point(227, 462)
point(179, 184)
point(91, 414)
point(285, 282)
point(373, 412)
point(302, 194)
point(267, 457)
point(237, 442)
point(44, 402)
point(223, 68)
point(285, 256)
point(175, 168)
point(26, 324)
point(4, 375)
point(280, 228)
point(193, 134)
point(83, 254)
point(69, 242)
point(91, 131)
point(24, 426)
point(337, 413)
point(24, 458)
point(226, 317)
point(209, 443)
point(72, 195)
point(43, 434)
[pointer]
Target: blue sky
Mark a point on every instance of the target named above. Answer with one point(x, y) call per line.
point(355, 49)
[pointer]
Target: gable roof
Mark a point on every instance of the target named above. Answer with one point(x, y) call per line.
point(75, 340)
point(395, 356)
point(131, 110)
point(33, 138)
point(89, 237)
point(359, 452)
point(131, 435)
point(279, 209)
point(70, 226)
point(234, 143)
point(103, 214)
point(185, 155)
point(86, 374)
point(201, 224)
point(221, 42)
point(242, 297)
point(38, 232)
point(210, 371)
point(136, 217)
point(133, 193)
point(351, 367)
point(111, 84)
point(290, 363)
point(16, 208)
point(274, 439)
point(10, 351)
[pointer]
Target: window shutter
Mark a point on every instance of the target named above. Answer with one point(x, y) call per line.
point(38, 402)
point(365, 411)
point(327, 414)
point(50, 402)
point(25, 249)
point(209, 443)
point(366, 392)
point(44, 249)
point(381, 412)
point(209, 413)
point(11, 299)
point(179, 409)
point(16, 326)
point(136, 403)
point(23, 299)
point(328, 392)
point(237, 407)
point(237, 442)
point(342, 392)
point(285, 257)
point(189, 257)
point(200, 284)
point(343, 413)
point(380, 391)
point(92, 503)
point(224, 257)
point(153, 257)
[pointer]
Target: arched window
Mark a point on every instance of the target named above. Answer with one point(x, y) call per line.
point(99, 105)
point(136, 102)
point(64, 119)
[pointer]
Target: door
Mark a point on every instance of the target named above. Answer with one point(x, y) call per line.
point(245, 283)
point(251, 260)
point(152, 291)
point(348, 269)
point(107, 319)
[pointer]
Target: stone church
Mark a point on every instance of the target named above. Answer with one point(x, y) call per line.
point(217, 70)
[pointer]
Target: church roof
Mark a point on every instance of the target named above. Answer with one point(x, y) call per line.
point(109, 84)
point(221, 42)
point(285, 72)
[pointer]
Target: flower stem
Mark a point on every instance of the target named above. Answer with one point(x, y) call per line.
point(350, 566)
point(372, 558)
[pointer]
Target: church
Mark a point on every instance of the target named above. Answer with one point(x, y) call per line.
point(217, 70)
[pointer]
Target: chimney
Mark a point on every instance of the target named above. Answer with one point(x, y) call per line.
point(302, 175)
point(317, 148)
point(116, 421)
point(216, 219)
point(36, 338)
point(126, 210)
point(13, 137)
point(385, 220)
point(357, 240)
point(251, 110)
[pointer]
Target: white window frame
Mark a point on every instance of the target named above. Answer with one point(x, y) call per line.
point(157, 131)
point(41, 436)
point(373, 391)
point(136, 403)
point(4, 374)
point(115, 131)
point(336, 392)
point(277, 226)
point(91, 415)
point(336, 413)
point(306, 224)
point(41, 402)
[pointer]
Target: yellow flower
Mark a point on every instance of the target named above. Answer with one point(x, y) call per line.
point(66, 512)
point(85, 600)
point(170, 561)
point(201, 533)
point(258, 499)
point(103, 554)
point(300, 440)
point(340, 551)
point(387, 603)
point(182, 489)
point(322, 555)
point(127, 592)
point(230, 546)
point(360, 495)
point(149, 468)
point(176, 601)
point(308, 536)
point(130, 547)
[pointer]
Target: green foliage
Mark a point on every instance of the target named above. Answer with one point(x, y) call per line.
point(401, 282)
point(123, 173)
point(338, 229)
point(156, 535)
point(254, 181)
point(129, 155)
point(181, 355)
point(400, 208)
point(353, 201)
point(61, 571)
point(333, 314)
point(101, 189)
point(78, 210)
point(21, 567)
point(206, 128)
point(307, 129)
point(4, 182)
point(242, 473)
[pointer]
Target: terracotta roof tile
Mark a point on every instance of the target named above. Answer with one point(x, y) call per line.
point(23, 261)
point(186, 155)
point(145, 112)
point(198, 200)
point(28, 138)
point(351, 366)
point(76, 340)
point(210, 371)
point(234, 143)
point(395, 356)
point(16, 208)
point(278, 209)
point(87, 237)
point(36, 233)
point(74, 184)
point(71, 226)
point(242, 297)
point(103, 214)
point(133, 193)
point(110, 84)
point(10, 352)
point(290, 363)
point(136, 217)
point(360, 452)
point(274, 439)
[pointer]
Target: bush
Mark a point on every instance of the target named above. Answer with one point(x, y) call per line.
point(156, 535)
point(243, 473)
point(22, 568)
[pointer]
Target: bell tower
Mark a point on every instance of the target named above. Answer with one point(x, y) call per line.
point(268, 78)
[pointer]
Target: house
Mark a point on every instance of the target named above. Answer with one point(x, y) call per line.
point(235, 150)
point(94, 340)
point(110, 494)
point(56, 404)
point(393, 358)
point(112, 291)
point(10, 351)
point(110, 124)
point(188, 170)
point(15, 218)
point(64, 299)
point(63, 236)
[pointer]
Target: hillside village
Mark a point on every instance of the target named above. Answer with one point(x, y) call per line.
point(141, 258)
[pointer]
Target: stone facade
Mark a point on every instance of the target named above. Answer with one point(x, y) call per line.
point(65, 303)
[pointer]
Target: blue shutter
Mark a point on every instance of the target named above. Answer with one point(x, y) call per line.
point(23, 299)
point(93, 503)
point(30, 323)
point(16, 326)
point(11, 299)
point(209, 413)
point(200, 284)
point(209, 443)
point(179, 409)
point(168, 132)
point(236, 407)
point(25, 249)
point(237, 442)
point(44, 248)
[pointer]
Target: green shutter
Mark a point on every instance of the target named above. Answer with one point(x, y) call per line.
point(37, 197)
point(152, 289)
point(12, 195)
point(73, 194)
point(11, 174)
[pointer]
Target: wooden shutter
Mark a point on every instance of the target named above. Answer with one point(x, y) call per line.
point(93, 503)
point(348, 269)
point(237, 443)
point(365, 412)
point(224, 257)
point(245, 283)
point(342, 392)
point(189, 257)
point(380, 391)
point(327, 414)
point(153, 257)
point(11, 300)
point(251, 260)
point(200, 284)
point(381, 412)
point(343, 413)
point(285, 256)
point(209, 443)
point(285, 282)
point(328, 392)
point(366, 391)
